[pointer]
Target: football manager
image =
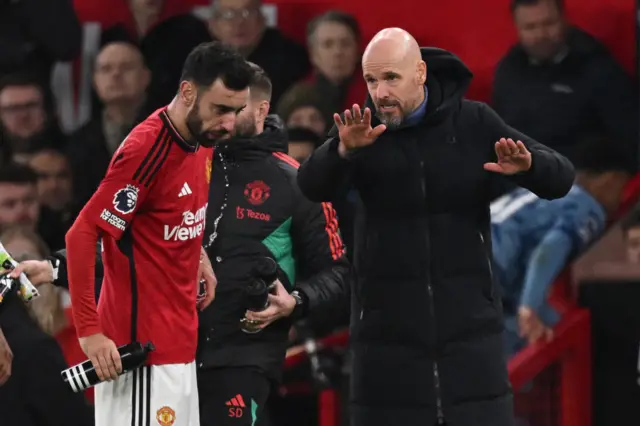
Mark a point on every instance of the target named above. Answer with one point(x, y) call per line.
point(426, 327)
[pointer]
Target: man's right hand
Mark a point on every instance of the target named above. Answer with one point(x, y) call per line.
point(6, 357)
point(103, 354)
point(38, 271)
point(356, 132)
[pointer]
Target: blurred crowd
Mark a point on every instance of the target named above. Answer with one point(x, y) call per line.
point(558, 85)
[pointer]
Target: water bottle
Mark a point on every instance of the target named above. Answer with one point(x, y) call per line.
point(83, 376)
point(257, 300)
point(257, 292)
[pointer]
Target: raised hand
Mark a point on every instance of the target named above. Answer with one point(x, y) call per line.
point(355, 131)
point(513, 157)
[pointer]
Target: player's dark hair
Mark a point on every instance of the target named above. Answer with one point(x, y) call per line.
point(214, 60)
point(337, 17)
point(18, 174)
point(261, 87)
point(516, 3)
point(598, 154)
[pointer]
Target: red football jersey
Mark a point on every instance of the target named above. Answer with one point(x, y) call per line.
point(151, 206)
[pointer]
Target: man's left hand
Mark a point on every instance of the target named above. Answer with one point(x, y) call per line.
point(513, 157)
point(281, 304)
point(208, 277)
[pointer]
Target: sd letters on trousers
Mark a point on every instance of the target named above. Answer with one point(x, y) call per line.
point(426, 328)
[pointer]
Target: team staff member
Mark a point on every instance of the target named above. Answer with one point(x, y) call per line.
point(426, 316)
point(255, 211)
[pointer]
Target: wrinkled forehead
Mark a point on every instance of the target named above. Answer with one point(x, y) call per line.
point(384, 57)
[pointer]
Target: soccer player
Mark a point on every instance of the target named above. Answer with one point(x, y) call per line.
point(534, 239)
point(149, 211)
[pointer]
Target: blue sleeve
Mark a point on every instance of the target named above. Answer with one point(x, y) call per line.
point(545, 263)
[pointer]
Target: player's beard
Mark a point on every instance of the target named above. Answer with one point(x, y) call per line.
point(246, 127)
point(195, 126)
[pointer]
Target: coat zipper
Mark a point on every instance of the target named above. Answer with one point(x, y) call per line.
point(488, 259)
point(436, 370)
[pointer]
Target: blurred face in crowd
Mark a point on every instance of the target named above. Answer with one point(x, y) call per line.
point(239, 23)
point(22, 111)
point(632, 237)
point(19, 205)
point(120, 74)
point(395, 77)
point(250, 121)
point(54, 179)
point(212, 111)
point(308, 117)
point(541, 29)
point(300, 150)
point(333, 51)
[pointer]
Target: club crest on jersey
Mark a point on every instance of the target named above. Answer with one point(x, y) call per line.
point(166, 416)
point(125, 199)
point(257, 192)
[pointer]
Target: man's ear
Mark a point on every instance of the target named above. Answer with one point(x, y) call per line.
point(263, 110)
point(422, 72)
point(188, 93)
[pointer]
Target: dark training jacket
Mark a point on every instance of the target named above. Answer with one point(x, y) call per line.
point(426, 325)
point(262, 213)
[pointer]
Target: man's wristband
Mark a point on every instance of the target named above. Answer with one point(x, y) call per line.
point(299, 310)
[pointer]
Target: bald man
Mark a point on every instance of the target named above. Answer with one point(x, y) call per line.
point(425, 162)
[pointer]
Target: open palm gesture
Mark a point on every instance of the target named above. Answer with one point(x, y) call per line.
point(513, 157)
point(355, 131)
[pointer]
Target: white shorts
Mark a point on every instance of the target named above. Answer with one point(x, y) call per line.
point(164, 395)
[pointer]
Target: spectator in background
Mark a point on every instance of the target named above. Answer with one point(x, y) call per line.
point(301, 107)
point(27, 118)
point(333, 40)
point(55, 195)
point(302, 142)
point(35, 34)
point(165, 42)
point(534, 239)
point(18, 197)
point(560, 85)
point(120, 79)
point(19, 204)
point(241, 24)
point(35, 395)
